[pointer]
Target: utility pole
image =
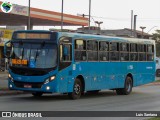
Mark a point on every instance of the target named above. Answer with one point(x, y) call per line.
point(29, 16)
point(135, 19)
point(89, 15)
point(62, 16)
point(99, 28)
point(131, 23)
point(142, 31)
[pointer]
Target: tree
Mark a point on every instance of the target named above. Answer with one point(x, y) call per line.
point(156, 37)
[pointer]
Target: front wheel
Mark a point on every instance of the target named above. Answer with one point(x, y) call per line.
point(127, 87)
point(37, 94)
point(77, 90)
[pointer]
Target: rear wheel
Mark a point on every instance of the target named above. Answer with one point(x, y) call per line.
point(37, 94)
point(77, 90)
point(127, 87)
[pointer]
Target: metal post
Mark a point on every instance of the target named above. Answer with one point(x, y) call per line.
point(62, 17)
point(135, 17)
point(131, 22)
point(29, 16)
point(99, 28)
point(89, 15)
point(142, 31)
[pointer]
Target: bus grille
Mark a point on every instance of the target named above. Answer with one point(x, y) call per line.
point(32, 84)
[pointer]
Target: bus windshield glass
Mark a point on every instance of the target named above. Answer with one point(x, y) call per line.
point(35, 55)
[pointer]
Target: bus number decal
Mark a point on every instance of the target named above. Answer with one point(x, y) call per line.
point(74, 66)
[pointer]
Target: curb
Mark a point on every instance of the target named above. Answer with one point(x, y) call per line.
point(154, 83)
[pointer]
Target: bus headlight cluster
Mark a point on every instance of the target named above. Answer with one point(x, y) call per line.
point(49, 79)
point(10, 77)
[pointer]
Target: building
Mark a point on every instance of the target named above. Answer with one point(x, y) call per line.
point(92, 30)
point(126, 33)
point(118, 32)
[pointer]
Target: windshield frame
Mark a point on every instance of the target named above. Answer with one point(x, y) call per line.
point(42, 43)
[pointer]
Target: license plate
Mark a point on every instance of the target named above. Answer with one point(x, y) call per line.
point(27, 86)
point(19, 62)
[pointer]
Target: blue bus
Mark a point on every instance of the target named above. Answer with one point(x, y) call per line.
point(73, 63)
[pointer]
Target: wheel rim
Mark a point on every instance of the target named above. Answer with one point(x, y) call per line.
point(77, 89)
point(128, 86)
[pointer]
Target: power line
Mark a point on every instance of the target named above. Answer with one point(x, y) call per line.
point(126, 19)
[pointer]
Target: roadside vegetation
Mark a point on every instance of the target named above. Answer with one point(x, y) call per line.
point(156, 37)
point(155, 118)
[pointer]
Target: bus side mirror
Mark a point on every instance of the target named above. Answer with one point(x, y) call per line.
point(7, 46)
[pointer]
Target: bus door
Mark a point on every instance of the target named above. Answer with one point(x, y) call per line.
point(65, 60)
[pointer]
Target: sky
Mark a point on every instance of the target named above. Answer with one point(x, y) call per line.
point(115, 14)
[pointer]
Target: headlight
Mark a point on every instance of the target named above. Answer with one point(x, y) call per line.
point(52, 78)
point(10, 77)
point(49, 79)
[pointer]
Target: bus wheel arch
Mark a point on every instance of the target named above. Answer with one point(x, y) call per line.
point(128, 84)
point(131, 76)
point(78, 88)
point(81, 78)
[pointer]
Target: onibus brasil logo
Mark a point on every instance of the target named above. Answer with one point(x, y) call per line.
point(6, 7)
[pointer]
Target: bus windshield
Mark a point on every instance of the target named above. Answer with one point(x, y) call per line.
point(35, 55)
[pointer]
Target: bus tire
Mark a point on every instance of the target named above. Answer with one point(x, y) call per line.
point(77, 90)
point(37, 94)
point(127, 87)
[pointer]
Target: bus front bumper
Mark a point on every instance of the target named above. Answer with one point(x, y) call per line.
point(32, 87)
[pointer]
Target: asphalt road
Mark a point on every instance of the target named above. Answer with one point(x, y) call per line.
point(143, 98)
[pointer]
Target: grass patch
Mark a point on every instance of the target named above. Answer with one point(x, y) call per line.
point(155, 118)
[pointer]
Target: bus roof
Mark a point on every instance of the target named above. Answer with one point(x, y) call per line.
point(103, 37)
point(93, 37)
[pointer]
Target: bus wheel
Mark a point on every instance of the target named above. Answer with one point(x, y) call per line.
point(127, 87)
point(77, 90)
point(37, 94)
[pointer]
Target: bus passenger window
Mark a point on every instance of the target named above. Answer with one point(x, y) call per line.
point(124, 47)
point(103, 56)
point(92, 45)
point(142, 52)
point(114, 51)
point(80, 55)
point(114, 46)
point(142, 57)
point(92, 50)
point(124, 51)
point(103, 46)
point(133, 56)
point(80, 50)
point(124, 56)
point(80, 45)
point(133, 47)
point(92, 56)
point(150, 52)
point(103, 51)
